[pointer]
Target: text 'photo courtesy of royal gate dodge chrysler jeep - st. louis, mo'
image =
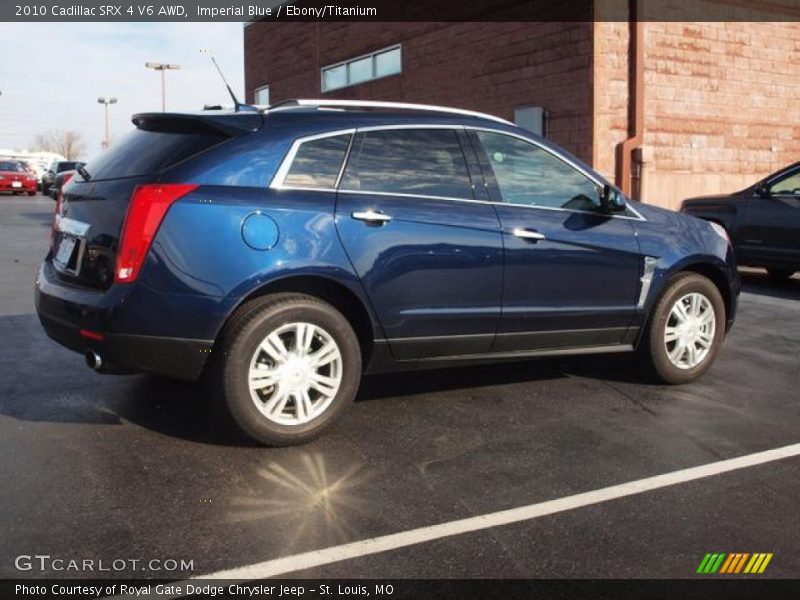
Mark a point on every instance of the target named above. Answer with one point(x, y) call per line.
point(279, 254)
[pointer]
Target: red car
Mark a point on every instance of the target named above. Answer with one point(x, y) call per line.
point(15, 178)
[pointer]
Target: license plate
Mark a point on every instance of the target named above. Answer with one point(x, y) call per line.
point(16, 184)
point(65, 249)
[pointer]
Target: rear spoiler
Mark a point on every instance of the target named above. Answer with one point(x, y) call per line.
point(230, 124)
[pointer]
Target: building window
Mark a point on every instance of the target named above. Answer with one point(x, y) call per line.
point(262, 95)
point(375, 65)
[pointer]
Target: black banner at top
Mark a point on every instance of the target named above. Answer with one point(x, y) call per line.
point(396, 10)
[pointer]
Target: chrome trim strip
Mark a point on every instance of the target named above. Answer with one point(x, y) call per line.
point(404, 195)
point(397, 105)
point(528, 353)
point(646, 279)
point(461, 336)
point(286, 163)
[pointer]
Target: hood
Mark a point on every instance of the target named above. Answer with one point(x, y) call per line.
point(712, 199)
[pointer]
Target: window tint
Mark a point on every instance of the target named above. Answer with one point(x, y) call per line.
point(143, 152)
point(428, 162)
point(317, 163)
point(787, 185)
point(526, 174)
point(10, 166)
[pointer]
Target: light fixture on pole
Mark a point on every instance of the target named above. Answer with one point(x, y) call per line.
point(162, 67)
point(106, 101)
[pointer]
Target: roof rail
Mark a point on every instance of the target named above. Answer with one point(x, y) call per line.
point(286, 104)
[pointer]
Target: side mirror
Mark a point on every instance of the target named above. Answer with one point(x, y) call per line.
point(762, 191)
point(613, 200)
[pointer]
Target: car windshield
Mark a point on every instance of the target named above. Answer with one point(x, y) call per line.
point(7, 165)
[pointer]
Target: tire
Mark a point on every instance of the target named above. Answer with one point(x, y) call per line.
point(655, 349)
point(31, 193)
point(279, 413)
point(779, 274)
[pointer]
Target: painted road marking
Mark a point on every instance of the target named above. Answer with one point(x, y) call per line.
point(316, 558)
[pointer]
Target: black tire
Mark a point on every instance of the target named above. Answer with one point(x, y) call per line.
point(31, 193)
point(653, 349)
point(233, 352)
point(779, 274)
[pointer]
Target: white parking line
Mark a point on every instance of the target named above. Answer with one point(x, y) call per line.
point(316, 558)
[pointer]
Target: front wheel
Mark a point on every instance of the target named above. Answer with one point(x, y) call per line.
point(686, 329)
point(286, 366)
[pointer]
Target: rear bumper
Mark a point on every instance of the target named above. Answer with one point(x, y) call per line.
point(7, 186)
point(66, 311)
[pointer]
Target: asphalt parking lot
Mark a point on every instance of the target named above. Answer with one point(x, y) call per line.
point(102, 467)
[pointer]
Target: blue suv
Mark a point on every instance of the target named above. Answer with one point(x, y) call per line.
point(280, 254)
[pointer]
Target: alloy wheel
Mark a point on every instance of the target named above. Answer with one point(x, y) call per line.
point(689, 330)
point(295, 373)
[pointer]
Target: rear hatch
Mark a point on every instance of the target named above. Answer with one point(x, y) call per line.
point(88, 226)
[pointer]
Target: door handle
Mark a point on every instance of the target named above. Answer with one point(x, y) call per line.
point(371, 216)
point(528, 234)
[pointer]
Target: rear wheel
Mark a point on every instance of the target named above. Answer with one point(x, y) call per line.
point(287, 365)
point(779, 274)
point(686, 329)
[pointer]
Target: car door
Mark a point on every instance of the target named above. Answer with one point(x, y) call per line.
point(428, 251)
point(770, 230)
point(572, 272)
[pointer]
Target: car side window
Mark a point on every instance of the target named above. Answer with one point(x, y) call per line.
point(427, 162)
point(787, 185)
point(317, 163)
point(527, 174)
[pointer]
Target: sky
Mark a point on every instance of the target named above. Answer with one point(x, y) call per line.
point(51, 75)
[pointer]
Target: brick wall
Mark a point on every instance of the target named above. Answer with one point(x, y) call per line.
point(490, 67)
point(721, 106)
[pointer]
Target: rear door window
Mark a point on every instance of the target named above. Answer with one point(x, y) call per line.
point(144, 152)
point(425, 162)
point(317, 163)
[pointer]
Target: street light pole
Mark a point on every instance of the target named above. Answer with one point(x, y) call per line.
point(106, 101)
point(162, 67)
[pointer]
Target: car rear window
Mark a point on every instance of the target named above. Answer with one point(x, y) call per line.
point(65, 166)
point(10, 166)
point(144, 152)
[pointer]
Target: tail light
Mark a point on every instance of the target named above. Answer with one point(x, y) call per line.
point(148, 206)
point(57, 209)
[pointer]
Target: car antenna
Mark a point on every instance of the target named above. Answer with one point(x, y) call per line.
point(237, 106)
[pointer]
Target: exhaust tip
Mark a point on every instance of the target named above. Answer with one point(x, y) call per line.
point(93, 360)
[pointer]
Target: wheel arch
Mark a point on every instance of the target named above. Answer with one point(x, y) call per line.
point(354, 308)
point(717, 277)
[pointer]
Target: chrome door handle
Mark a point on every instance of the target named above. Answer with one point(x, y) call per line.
point(528, 234)
point(371, 216)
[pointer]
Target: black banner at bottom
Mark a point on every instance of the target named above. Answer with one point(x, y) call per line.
point(732, 588)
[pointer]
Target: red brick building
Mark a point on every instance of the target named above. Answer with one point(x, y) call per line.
point(717, 101)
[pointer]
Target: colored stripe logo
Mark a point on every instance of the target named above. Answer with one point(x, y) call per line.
point(735, 562)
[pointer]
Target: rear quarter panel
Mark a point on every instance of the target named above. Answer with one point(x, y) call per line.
point(200, 258)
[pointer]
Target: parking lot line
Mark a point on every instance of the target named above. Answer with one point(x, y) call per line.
point(316, 558)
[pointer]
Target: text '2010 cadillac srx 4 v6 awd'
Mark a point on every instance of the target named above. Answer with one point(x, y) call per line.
point(279, 254)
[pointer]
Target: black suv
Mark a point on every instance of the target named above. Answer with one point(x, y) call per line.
point(763, 221)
